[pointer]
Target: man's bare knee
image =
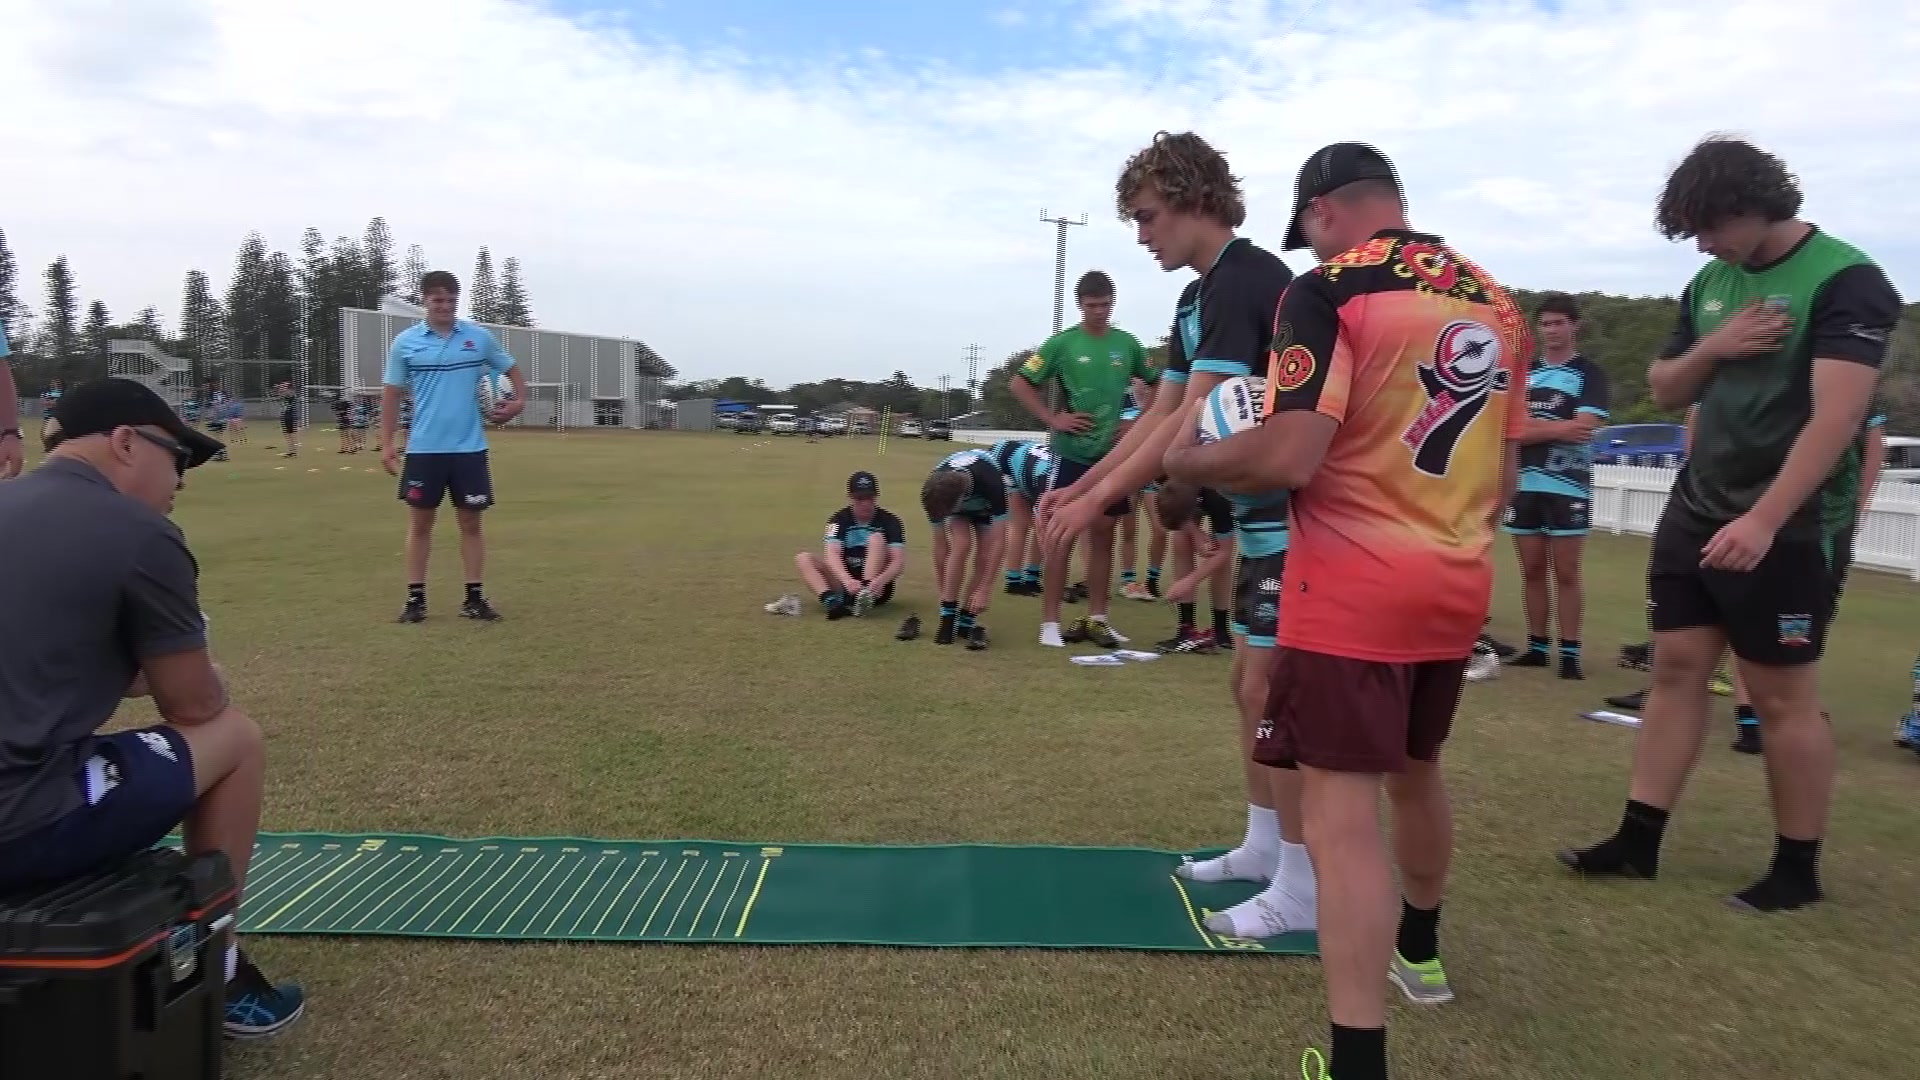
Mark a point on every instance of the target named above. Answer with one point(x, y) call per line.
point(1420, 781)
point(469, 521)
point(222, 746)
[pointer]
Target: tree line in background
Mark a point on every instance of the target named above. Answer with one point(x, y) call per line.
point(275, 307)
point(1623, 334)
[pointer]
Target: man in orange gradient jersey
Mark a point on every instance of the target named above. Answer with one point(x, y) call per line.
point(1396, 385)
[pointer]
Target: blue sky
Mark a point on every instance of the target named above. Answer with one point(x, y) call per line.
point(797, 191)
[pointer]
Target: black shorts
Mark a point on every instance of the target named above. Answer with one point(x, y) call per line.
point(1776, 614)
point(1067, 472)
point(1546, 513)
point(288, 424)
point(1256, 599)
point(426, 478)
point(1842, 562)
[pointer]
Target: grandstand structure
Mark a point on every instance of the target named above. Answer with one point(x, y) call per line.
point(574, 380)
point(143, 361)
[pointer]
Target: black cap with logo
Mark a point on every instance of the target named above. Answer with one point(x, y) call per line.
point(863, 485)
point(1331, 168)
point(100, 406)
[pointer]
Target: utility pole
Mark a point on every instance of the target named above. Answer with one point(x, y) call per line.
point(1060, 265)
point(944, 381)
point(1059, 287)
point(973, 379)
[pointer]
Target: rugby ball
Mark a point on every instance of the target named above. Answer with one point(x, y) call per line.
point(1230, 408)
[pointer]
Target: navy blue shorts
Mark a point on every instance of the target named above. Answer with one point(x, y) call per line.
point(1066, 472)
point(425, 479)
point(140, 785)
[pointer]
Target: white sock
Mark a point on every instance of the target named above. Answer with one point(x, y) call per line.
point(233, 959)
point(1288, 905)
point(1256, 859)
point(1050, 635)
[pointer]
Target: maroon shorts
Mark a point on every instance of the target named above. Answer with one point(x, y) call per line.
point(1345, 715)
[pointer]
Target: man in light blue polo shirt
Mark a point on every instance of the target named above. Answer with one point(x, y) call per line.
point(9, 414)
point(441, 363)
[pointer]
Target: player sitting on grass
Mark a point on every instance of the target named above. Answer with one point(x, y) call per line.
point(865, 552)
point(1209, 550)
point(102, 604)
point(965, 498)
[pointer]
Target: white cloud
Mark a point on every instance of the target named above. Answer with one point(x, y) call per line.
point(793, 220)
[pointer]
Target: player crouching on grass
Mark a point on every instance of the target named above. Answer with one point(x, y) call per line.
point(965, 498)
point(865, 553)
point(1208, 550)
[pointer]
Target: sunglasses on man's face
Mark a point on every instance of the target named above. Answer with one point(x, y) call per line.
point(182, 457)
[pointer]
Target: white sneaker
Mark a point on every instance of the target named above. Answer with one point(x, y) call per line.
point(786, 605)
point(1484, 666)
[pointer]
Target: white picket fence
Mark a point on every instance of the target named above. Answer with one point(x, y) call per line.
point(1629, 499)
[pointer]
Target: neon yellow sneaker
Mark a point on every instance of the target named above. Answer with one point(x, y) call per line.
point(1313, 1066)
point(1722, 683)
point(1424, 984)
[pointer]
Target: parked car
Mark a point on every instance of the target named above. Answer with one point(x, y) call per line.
point(939, 429)
point(783, 425)
point(909, 429)
point(727, 420)
point(860, 427)
point(1640, 444)
point(750, 424)
point(833, 425)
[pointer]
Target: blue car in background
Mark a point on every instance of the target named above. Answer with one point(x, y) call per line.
point(1640, 444)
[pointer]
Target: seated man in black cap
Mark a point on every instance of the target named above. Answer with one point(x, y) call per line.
point(865, 552)
point(102, 603)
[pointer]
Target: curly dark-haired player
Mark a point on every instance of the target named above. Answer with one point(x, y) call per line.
point(1779, 342)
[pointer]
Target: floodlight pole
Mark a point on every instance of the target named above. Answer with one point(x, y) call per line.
point(1059, 287)
point(945, 380)
point(973, 380)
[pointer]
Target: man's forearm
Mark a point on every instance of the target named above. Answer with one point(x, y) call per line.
point(1141, 464)
point(389, 414)
point(1815, 452)
point(9, 397)
point(1674, 383)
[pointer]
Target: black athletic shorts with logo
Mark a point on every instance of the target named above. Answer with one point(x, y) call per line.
point(1547, 513)
point(425, 479)
point(1256, 599)
point(1777, 613)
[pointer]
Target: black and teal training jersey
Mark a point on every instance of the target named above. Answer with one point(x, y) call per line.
point(1752, 408)
point(1562, 392)
point(1026, 464)
point(846, 531)
point(986, 496)
point(1260, 523)
point(1223, 324)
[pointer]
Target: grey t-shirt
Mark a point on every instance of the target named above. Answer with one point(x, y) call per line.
point(91, 583)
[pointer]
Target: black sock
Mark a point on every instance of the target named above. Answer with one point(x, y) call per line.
point(1358, 1053)
point(1792, 881)
point(1186, 615)
point(1634, 851)
point(1538, 644)
point(1745, 716)
point(417, 594)
point(473, 592)
point(1220, 628)
point(1419, 933)
point(965, 622)
point(1569, 649)
point(827, 598)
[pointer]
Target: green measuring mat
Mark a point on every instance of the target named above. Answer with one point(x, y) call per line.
point(706, 892)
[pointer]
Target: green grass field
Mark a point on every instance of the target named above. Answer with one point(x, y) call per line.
point(637, 690)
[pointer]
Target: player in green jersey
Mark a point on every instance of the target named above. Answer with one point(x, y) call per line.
point(1779, 342)
point(1094, 364)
